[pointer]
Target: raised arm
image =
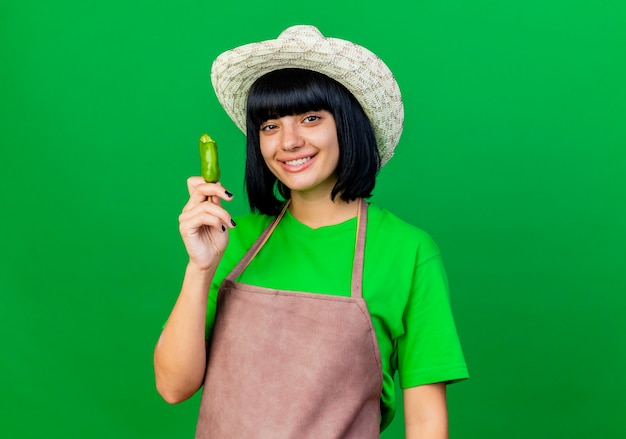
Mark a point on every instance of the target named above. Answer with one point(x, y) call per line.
point(180, 353)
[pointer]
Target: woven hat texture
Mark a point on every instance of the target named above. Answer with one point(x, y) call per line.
point(357, 68)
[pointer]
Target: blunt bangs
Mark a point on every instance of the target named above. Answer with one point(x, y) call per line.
point(287, 92)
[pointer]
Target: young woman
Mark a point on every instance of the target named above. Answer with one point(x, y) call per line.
point(296, 317)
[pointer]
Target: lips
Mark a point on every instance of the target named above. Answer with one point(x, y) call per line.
point(297, 162)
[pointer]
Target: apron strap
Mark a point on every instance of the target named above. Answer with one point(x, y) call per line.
point(359, 250)
point(256, 247)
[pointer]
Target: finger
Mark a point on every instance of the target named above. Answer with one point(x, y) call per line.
point(191, 225)
point(207, 192)
point(226, 195)
point(200, 191)
point(194, 181)
point(211, 209)
point(197, 185)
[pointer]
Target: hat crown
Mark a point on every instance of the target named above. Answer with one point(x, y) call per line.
point(301, 32)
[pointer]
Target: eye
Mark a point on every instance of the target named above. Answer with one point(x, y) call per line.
point(267, 126)
point(311, 118)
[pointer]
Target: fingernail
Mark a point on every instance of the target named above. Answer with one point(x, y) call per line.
point(228, 194)
point(223, 228)
point(233, 222)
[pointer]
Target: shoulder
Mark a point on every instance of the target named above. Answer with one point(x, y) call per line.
point(397, 234)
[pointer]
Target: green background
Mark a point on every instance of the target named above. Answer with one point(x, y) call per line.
point(513, 157)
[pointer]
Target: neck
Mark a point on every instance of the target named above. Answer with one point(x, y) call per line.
point(322, 211)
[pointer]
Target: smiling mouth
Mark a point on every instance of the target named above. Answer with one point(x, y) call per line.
point(297, 162)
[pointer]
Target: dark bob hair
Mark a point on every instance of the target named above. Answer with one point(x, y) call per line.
point(293, 91)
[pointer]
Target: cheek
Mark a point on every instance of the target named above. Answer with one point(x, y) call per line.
point(267, 154)
point(332, 146)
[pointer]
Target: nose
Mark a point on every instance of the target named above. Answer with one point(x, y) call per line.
point(292, 138)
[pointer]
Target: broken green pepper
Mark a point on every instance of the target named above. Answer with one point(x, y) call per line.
point(208, 159)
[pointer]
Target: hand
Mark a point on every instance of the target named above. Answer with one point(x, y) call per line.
point(204, 224)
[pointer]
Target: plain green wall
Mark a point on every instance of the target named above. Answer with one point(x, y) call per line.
point(513, 157)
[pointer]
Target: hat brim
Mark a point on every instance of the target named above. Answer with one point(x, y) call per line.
point(365, 75)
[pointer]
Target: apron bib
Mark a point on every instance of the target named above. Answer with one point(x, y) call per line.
point(289, 364)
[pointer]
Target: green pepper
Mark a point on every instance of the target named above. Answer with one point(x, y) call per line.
point(208, 159)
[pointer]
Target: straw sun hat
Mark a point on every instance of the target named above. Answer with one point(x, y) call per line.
point(358, 69)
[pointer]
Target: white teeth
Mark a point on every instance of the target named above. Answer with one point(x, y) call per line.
point(297, 162)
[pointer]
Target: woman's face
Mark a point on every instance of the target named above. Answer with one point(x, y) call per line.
point(302, 151)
